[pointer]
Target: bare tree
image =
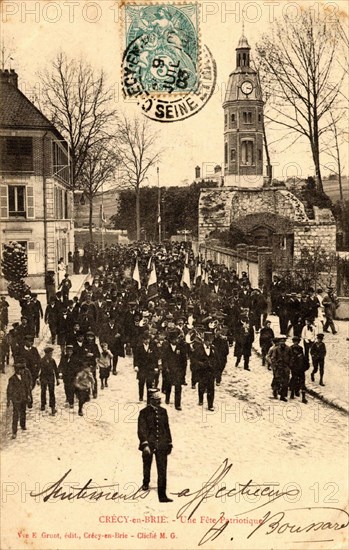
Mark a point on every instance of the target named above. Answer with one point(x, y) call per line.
point(264, 83)
point(77, 100)
point(138, 152)
point(99, 168)
point(301, 58)
point(333, 149)
point(344, 43)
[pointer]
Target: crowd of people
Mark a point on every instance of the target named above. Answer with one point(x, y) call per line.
point(177, 316)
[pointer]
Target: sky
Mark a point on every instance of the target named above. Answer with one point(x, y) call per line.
point(37, 30)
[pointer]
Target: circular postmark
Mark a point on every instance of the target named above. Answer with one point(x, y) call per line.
point(166, 107)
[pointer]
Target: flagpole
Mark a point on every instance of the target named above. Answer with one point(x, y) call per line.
point(102, 219)
point(159, 204)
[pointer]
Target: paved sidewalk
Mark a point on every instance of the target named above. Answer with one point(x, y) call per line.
point(336, 390)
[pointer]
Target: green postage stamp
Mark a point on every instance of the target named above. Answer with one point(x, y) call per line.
point(165, 39)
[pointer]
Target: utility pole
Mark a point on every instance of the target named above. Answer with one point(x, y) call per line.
point(159, 204)
point(102, 217)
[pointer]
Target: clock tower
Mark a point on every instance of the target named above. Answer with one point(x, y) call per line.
point(243, 124)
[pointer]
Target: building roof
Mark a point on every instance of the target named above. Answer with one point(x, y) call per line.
point(243, 43)
point(18, 112)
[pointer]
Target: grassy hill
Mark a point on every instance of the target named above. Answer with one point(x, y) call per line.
point(331, 189)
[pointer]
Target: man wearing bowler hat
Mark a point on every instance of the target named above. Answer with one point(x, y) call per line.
point(19, 393)
point(155, 439)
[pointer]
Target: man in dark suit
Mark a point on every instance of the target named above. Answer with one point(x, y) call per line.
point(28, 308)
point(155, 439)
point(65, 286)
point(69, 365)
point(266, 340)
point(221, 345)
point(206, 360)
point(19, 393)
point(24, 329)
point(146, 363)
point(30, 355)
point(51, 318)
point(48, 375)
point(111, 334)
point(38, 314)
point(174, 362)
point(63, 328)
point(243, 343)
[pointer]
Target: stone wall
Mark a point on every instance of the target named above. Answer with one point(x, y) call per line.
point(314, 236)
point(218, 208)
point(277, 209)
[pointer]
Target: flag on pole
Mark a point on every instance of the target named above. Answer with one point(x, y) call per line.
point(136, 276)
point(186, 277)
point(198, 272)
point(152, 283)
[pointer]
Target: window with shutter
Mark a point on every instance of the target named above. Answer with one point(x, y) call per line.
point(30, 202)
point(3, 201)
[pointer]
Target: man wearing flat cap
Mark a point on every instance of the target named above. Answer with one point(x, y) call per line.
point(155, 439)
point(19, 390)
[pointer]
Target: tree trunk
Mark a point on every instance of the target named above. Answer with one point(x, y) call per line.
point(316, 152)
point(339, 166)
point(90, 218)
point(266, 146)
point(138, 215)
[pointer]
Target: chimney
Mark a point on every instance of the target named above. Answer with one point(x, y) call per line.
point(9, 76)
point(197, 172)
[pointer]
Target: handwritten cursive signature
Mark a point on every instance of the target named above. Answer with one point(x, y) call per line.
point(88, 491)
point(213, 489)
point(281, 523)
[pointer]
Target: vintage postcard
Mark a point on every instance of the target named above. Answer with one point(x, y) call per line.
point(174, 274)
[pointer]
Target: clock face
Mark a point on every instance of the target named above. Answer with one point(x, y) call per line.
point(246, 87)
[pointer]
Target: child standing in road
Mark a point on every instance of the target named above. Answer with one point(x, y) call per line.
point(104, 362)
point(84, 385)
point(318, 354)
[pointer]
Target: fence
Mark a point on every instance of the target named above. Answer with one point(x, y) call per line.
point(255, 261)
